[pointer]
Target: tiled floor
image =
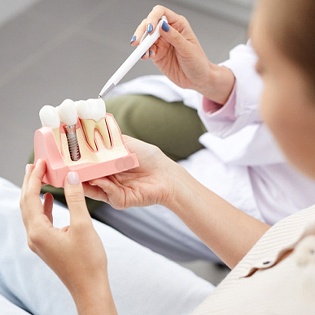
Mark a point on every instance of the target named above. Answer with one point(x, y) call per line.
point(68, 49)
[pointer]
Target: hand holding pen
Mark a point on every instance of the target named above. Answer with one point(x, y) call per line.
point(147, 40)
point(174, 48)
point(178, 53)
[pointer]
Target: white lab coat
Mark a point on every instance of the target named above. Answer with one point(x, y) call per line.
point(241, 161)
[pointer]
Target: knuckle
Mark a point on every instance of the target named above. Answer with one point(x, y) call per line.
point(82, 226)
point(31, 245)
point(33, 237)
point(182, 20)
point(157, 7)
point(34, 240)
point(158, 10)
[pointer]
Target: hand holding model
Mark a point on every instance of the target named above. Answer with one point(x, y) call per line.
point(160, 180)
point(149, 183)
point(179, 55)
point(75, 252)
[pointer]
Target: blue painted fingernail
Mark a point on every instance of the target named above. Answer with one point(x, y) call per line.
point(149, 28)
point(134, 37)
point(165, 26)
point(150, 52)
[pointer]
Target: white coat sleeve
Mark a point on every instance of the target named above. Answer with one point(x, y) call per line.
point(242, 107)
point(245, 139)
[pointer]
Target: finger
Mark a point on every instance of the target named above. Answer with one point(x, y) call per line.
point(92, 191)
point(173, 37)
point(138, 33)
point(146, 55)
point(31, 204)
point(36, 176)
point(75, 200)
point(28, 171)
point(103, 183)
point(150, 23)
point(152, 51)
point(156, 14)
point(108, 189)
point(48, 206)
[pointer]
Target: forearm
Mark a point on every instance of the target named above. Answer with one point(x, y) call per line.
point(229, 232)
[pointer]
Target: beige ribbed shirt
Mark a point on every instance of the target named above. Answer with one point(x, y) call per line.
point(267, 281)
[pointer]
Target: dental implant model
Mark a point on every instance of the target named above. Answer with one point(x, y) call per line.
point(80, 136)
point(68, 116)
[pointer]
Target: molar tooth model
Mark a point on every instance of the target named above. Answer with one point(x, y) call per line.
point(92, 113)
point(80, 136)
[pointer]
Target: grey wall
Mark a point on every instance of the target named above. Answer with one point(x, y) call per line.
point(10, 8)
point(237, 10)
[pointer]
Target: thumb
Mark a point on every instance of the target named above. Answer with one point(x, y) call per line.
point(75, 199)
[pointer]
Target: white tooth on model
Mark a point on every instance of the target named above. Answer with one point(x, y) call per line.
point(68, 112)
point(49, 117)
point(68, 115)
point(92, 114)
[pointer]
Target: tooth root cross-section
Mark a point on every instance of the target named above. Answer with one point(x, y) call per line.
point(90, 126)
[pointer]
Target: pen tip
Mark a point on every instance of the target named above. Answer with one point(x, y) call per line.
point(106, 89)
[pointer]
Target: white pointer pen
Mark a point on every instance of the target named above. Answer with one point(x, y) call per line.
point(147, 41)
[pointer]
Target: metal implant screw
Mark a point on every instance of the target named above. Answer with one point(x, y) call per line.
point(73, 143)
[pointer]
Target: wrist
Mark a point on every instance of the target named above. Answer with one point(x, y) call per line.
point(179, 189)
point(95, 298)
point(218, 84)
point(94, 303)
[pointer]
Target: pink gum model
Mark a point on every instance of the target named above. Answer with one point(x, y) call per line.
point(52, 146)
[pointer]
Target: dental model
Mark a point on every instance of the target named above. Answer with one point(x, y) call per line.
point(80, 136)
point(92, 114)
point(69, 116)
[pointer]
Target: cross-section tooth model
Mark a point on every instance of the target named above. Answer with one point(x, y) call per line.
point(92, 113)
point(80, 136)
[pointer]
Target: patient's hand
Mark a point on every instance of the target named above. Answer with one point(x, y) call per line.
point(150, 183)
point(75, 252)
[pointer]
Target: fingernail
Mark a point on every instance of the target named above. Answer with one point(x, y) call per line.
point(165, 26)
point(134, 37)
point(149, 28)
point(150, 52)
point(73, 178)
point(38, 162)
point(27, 167)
